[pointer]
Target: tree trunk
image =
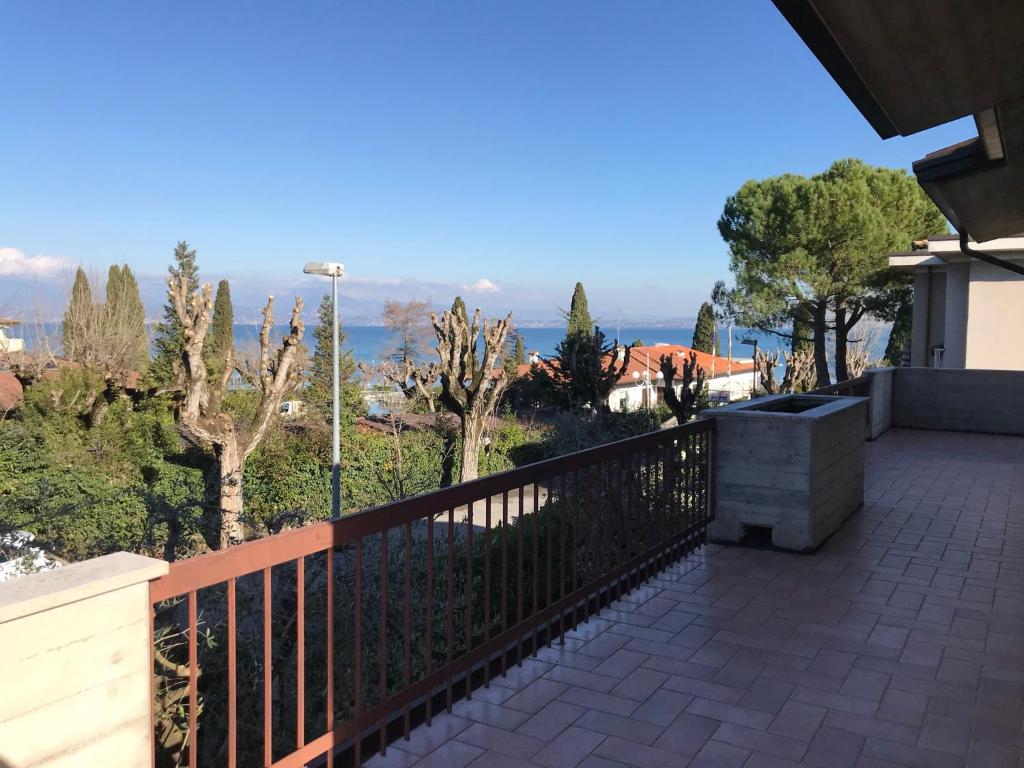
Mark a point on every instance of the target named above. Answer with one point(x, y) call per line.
point(472, 438)
point(820, 350)
point(842, 370)
point(229, 466)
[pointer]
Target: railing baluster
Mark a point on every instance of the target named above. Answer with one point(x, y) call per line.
point(193, 682)
point(358, 670)
point(504, 577)
point(575, 542)
point(561, 560)
point(300, 652)
point(382, 648)
point(487, 587)
point(428, 647)
point(548, 526)
point(519, 580)
point(407, 607)
point(329, 672)
point(469, 597)
point(451, 602)
point(232, 677)
point(268, 747)
point(536, 559)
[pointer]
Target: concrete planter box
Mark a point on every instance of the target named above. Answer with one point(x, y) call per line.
point(791, 463)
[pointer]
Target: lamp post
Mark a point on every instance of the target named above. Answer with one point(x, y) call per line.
point(333, 270)
point(752, 341)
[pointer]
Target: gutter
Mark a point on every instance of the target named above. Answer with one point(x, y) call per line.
point(966, 249)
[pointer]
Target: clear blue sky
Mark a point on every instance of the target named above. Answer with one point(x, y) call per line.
point(425, 144)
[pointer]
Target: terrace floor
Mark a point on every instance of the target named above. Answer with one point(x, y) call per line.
point(899, 643)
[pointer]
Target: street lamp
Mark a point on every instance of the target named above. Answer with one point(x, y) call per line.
point(333, 270)
point(749, 341)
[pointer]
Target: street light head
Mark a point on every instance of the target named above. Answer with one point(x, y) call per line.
point(325, 268)
point(750, 341)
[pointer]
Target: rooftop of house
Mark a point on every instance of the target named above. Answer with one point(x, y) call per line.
point(11, 391)
point(645, 362)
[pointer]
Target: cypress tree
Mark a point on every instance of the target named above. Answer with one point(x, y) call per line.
point(704, 330)
point(78, 319)
point(124, 320)
point(222, 330)
point(519, 355)
point(579, 321)
point(135, 319)
point(168, 340)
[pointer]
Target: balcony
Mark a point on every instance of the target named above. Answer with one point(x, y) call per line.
point(571, 613)
point(898, 643)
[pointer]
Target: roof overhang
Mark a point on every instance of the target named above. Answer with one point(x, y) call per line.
point(909, 65)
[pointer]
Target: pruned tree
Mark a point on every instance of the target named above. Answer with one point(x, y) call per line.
point(203, 421)
point(684, 403)
point(798, 376)
point(413, 379)
point(468, 387)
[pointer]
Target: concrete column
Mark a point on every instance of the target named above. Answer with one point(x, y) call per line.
point(919, 333)
point(880, 405)
point(958, 280)
point(75, 667)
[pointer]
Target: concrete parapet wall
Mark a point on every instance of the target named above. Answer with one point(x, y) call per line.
point(959, 400)
point(75, 667)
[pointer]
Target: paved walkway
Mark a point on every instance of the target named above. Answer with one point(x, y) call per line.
point(900, 643)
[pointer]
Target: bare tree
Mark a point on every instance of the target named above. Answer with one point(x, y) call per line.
point(683, 404)
point(203, 421)
point(798, 376)
point(409, 325)
point(468, 387)
point(414, 380)
point(858, 355)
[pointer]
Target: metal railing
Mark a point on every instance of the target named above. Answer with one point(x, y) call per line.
point(329, 641)
point(858, 387)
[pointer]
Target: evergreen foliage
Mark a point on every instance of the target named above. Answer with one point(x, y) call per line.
point(167, 340)
point(124, 318)
point(899, 337)
point(704, 330)
point(221, 340)
point(519, 353)
point(79, 319)
point(579, 320)
point(320, 388)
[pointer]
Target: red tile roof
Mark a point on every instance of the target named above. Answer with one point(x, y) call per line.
point(648, 359)
point(11, 392)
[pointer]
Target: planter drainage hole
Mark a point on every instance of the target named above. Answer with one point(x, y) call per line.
point(757, 537)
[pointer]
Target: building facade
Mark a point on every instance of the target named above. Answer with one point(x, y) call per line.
point(966, 311)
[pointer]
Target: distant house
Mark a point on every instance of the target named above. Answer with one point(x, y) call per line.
point(966, 311)
point(8, 344)
point(642, 384)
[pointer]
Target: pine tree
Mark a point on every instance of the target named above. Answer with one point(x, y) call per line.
point(320, 389)
point(168, 340)
point(579, 321)
point(222, 331)
point(704, 331)
point(79, 319)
